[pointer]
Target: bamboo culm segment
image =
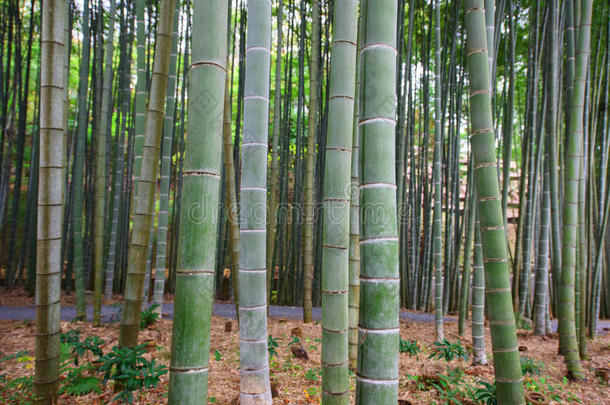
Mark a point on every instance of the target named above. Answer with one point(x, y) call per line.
point(437, 247)
point(493, 234)
point(353, 300)
point(253, 355)
point(102, 132)
point(336, 226)
point(378, 336)
point(567, 326)
point(145, 191)
point(308, 219)
point(199, 206)
point(79, 167)
point(479, 353)
point(50, 201)
point(166, 162)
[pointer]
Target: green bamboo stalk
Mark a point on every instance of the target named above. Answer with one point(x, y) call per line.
point(79, 162)
point(508, 128)
point(101, 179)
point(166, 163)
point(542, 280)
point(309, 162)
point(118, 196)
point(489, 29)
point(567, 327)
point(493, 234)
point(199, 206)
point(479, 353)
point(230, 193)
point(50, 202)
point(378, 336)
point(596, 279)
point(140, 97)
point(336, 217)
point(551, 142)
point(354, 227)
point(275, 163)
point(145, 191)
point(465, 287)
point(253, 358)
point(436, 174)
point(581, 273)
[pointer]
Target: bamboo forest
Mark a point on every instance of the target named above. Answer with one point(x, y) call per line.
point(371, 202)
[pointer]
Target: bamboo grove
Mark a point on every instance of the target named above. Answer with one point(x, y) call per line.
point(361, 156)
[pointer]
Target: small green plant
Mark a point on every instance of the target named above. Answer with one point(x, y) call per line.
point(411, 347)
point(417, 381)
point(485, 393)
point(78, 380)
point(17, 391)
point(77, 383)
point(558, 393)
point(70, 337)
point(530, 366)
point(272, 345)
point(446, 393)
point(149, 316)
point(312, 375)
point(294, 340)
point(445, 350)
point(311, 391)
point(217, 355)
point(130, 371)
point(90, 345)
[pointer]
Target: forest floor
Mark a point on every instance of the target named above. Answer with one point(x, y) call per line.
point(299, 380)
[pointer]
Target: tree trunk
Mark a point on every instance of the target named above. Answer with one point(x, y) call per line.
point(79, 163)
point(166, 163)
point(437, 216)
point(308, 219)
point(146, 188)
point(254, 362)
point(336, 225)
point(567, 326)
point(199, 206)
point(509, 381)
point(50, 202)
point(378, 336)
point(479, 353)
point(101, 179)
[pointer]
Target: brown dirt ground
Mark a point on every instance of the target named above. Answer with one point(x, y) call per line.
point(294, 387)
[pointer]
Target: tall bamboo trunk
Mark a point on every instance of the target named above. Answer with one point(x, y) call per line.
point(230, 193)
point(199, 206)
point(50, 201)
point(79, 163)
point(479, 352)
point(308, 220)
point(354, 225)
point(275, 163)
point(567, 326)
point(166, 163)
point(253, 358)
point(437, 217)
point(509, 381)
point(465, 287)
point(336, 225)
point(101, 179)
point(146, 189)
point(378, 336)
point(140, 97)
